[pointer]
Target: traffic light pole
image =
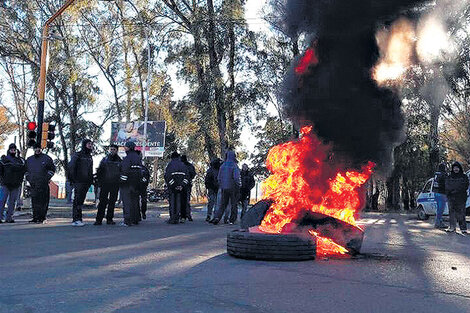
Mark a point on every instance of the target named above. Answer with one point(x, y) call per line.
point(43, 69)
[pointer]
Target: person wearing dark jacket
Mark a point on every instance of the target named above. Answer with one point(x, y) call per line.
point(229, 183)
point(107, 176)
point(80, 172)
point(440, 190)
point(144, 183)
point(192, 174)
point(248, 182)
point(177, 180)
point(131, 176)
point(212, 186)
point(12, 170)
point(39, 170)
point(456, 185)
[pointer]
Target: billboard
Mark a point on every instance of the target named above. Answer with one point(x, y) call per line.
point(121, 132)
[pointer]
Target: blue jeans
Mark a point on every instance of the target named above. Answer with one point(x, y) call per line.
point(12, 196)
point(441, 200)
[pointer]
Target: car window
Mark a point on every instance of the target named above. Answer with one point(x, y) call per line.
point(427, 187)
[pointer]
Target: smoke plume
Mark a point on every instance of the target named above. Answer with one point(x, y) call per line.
point(337, 94)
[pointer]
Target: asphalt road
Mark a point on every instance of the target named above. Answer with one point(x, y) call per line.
point(407, 266)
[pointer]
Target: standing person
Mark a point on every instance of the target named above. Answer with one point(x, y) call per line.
point(80, 172)
point(107, 176)
point(456, 185)
point(440, 190)
point(130, 177)
point(229, 182)
point(176, 178)
point(212, 186)
point(144, 183)
point(12, 170)
point(248, 182)
point(39, 170)
point(192, 174)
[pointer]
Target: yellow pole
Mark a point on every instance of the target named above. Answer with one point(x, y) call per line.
point(42, 71)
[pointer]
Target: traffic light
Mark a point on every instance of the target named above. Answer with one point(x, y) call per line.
point(50, 136)
point(31, 126)
point(45, 130)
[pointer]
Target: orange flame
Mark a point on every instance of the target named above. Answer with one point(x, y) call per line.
point(328, 246)
point(303, 179)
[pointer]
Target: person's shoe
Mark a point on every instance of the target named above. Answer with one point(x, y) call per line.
point(215, 221)
point(225, 222)
point(42, 222)
point(97, 223)
point(75, 224)
point(1, 221)
point(231, 223)
point(80, 224)
point(464, 232)
point(208, 219)
point(190, 218)
point(110, 222)
point(450, 230)
point(123, 224)
point(144, 216)
point(182, 220)
point(33, 221)
point(10, 221)
point(135, 223)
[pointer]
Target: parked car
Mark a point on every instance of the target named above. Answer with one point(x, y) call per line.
point(427, 204)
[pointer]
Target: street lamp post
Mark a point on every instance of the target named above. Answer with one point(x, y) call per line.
point(43, 69)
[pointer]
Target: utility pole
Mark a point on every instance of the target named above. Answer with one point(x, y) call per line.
point(43, 69)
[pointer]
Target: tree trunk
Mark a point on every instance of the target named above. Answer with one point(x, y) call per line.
point(217, 79)
point(393, 192)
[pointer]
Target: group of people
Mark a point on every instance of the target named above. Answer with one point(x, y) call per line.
point(38, 170)
point(226, 187)
point(127, 176)
point(451, 188)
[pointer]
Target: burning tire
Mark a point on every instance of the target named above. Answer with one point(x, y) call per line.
point(271, 247)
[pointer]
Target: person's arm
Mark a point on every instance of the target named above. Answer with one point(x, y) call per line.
point(71, 167)
point(50, 168)
point(125, 166)
point(27, 172)
point(252, 182)
point(236, 176)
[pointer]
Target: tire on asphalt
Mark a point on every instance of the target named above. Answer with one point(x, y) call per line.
point(422, 214)
point(271, 247)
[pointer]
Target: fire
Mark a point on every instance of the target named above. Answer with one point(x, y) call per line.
point(303, 179)
point(329, 247)
point(307, 59)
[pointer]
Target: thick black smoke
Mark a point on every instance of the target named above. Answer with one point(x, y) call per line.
point(338, 96)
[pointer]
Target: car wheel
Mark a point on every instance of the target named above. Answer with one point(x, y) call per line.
point(272, 247)
point(422, 214)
